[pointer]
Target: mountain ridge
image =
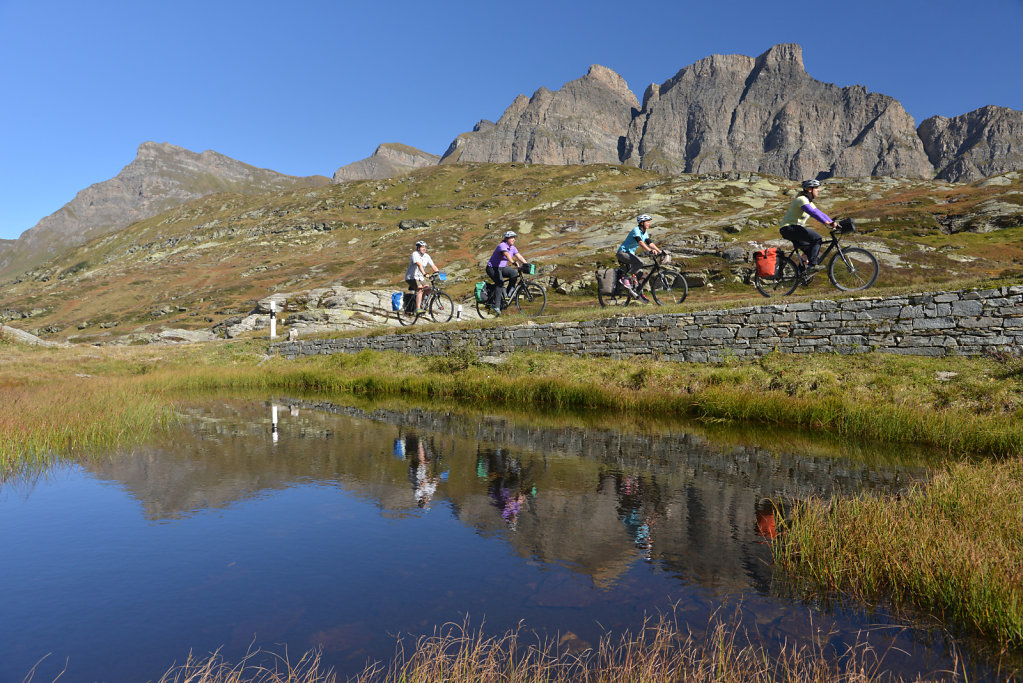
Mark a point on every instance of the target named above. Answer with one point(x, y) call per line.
point(160, 177)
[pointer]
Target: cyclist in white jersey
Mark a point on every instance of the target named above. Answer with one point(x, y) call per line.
point(415, 276)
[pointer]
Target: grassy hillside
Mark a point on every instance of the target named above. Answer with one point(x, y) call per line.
point(195, 265)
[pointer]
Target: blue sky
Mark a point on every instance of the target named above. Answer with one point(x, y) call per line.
point(304, 87)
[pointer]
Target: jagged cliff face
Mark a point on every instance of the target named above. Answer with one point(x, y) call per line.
point(162, 176)
point(767, 115)
point(582, 123)
point(737, 113)
point(389, 160)
point(984, 142)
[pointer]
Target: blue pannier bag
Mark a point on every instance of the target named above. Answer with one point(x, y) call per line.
point(396, 301)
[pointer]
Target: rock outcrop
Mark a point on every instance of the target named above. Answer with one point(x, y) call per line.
point(582, 123)
point(982, 143)
point(162, 176)
point(768, 115)
point(17, 336)
point(389, 160)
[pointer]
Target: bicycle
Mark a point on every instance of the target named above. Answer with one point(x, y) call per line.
point(530, 297)
point(435, 303)
point(850, 268)
point(667, 285)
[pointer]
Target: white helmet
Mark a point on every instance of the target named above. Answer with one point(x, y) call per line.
point(420, 243)
point(813, 182)
point(510, 233)
point(643, 217)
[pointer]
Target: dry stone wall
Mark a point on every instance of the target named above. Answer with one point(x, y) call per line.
point(968, 322)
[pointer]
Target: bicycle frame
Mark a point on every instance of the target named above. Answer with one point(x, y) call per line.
point(849, 268)
point(667, 285)
point(509, 294)
point(653, 268)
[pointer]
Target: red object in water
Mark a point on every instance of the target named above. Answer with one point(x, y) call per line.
point(765, 525)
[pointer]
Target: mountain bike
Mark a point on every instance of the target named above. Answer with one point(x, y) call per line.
point(529, 297)
point(850, 268)
point(436, 303)
point(667, 285)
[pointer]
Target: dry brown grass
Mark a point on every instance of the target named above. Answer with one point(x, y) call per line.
point(952, 548)
point(663, 650)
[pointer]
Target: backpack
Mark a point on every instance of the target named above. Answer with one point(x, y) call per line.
point(606, 278)
point(768, 261)
point(480, 292)
point(396, 301)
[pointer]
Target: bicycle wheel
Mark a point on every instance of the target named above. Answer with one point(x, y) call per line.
point(618, 297)
point(782, 285)
point(668, 287)
point(441, 307)
point(531, 299)
point(484, 310)
point(853, 268)
point(406, 316)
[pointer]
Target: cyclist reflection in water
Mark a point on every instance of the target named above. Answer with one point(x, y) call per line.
point(639, 507)
point(424, 483)
point(765, 526)
point(507, 483)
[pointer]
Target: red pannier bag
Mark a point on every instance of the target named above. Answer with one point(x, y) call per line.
point(766, 261)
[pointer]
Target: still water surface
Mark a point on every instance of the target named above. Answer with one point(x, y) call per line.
point(352, 526)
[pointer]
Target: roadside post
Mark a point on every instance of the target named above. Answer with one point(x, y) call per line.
point(273, 328)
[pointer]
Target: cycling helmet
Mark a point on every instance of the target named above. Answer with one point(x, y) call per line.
point(813, 182)
point(420, 243)
point(510, 233)
point(643, 217)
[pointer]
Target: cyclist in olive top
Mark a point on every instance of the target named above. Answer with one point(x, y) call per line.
point(501, 267)
point(638, 237)
point(793, 225)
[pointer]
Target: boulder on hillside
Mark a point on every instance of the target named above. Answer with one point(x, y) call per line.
point(8, 333)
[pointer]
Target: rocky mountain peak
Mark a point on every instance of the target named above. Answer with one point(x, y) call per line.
point(786, 58)
point(580, 123)
point(388, 160)
point(732, 112)
point(161, 176)
point(610, 79)
point(983, 142)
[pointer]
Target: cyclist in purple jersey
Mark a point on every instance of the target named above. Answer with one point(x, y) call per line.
point(501, 268)
point(793, 225)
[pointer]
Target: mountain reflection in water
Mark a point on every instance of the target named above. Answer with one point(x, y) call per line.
point(441, 515)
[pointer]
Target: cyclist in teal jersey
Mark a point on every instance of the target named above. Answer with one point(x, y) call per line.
point(793, 225)
point(639, 237)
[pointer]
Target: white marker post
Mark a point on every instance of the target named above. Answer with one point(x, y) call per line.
point(458, 316)
point(273, 423)
point(273, 327)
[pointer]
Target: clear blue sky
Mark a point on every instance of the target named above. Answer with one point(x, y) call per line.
point(306, 86)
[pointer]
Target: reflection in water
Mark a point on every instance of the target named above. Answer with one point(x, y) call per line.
point(323, 532)
point(507, 482)
point(423, 470)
